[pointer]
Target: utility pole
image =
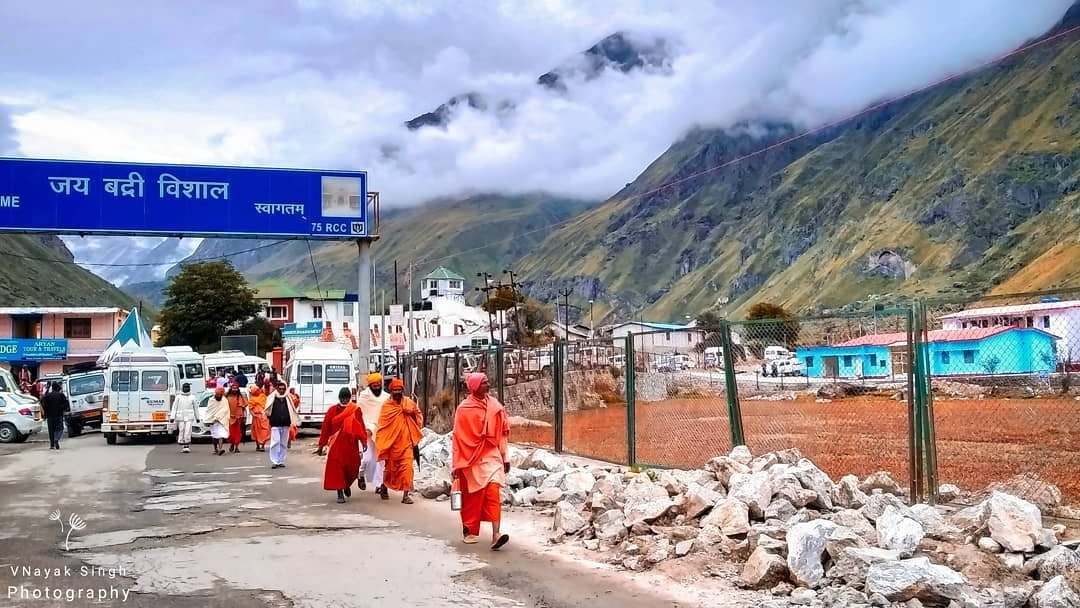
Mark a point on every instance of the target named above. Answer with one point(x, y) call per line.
point(565, 293)
point(412, 336)
point(486, 289)
point(517, 309)
point(395, 284)
point(592, 327)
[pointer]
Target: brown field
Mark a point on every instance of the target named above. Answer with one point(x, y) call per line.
point(978, 441)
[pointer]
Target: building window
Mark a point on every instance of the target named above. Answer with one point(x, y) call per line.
point(1030, 322)
point(668, 336)
point(277, 312)
point(316, 312)
point(77, 329)
point(809, 362)
point(1046, 322)
point(847, 361)
point(455, 284)
point(944, 357)
point(347, 309)
point(873, 360)
point(25, 327)
point(969, 356)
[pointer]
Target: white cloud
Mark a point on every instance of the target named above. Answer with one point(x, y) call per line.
point(318, 83)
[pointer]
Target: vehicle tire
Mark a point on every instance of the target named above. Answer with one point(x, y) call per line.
point(74, 429)
point(546, 372)
point(22, 438)
point(8, 433)
point(110, 438)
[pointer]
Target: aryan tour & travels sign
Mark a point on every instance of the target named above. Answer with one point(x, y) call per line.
point(77, 197)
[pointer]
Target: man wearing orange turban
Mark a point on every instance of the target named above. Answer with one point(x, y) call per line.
point(370, 401)
point(481, 459)
point(397, 434)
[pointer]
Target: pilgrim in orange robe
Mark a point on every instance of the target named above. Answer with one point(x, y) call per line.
point(296, 403)
point(480, 453)
point(237, 404)
point(398, 431)
point(260, 424)
point(343, 430)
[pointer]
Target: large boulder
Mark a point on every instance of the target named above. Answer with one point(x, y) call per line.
point(857, 522)
point(764, 570)
point(729, 516)
point(813, 478)
point(847, 495)
point(1014, 523)
point(436, 453)
point(915, 578)
point(1056, 562)
point(434, 485)
point(671, 483)
point(934, 523)
point(526, 496)
point(1056, 594)
point(882, 480)
point(534, 477)
point(741, 454)
point(841, 539)
point(578, 482)
point(877, 503)
point(753, 489)
point(806, 550)
point(569, 519)
point(782, 509)
point(699, 500)
point(723, 467)
point(543, 459)
point(899, 532)
point(610, 526)
point(548, 496)
point(788, 487)
point(853, 563)
point(644, 501)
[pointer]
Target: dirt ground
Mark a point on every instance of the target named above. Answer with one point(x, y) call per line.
point(979, 441)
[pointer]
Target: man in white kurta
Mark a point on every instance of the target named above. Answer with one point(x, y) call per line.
point(370, 401)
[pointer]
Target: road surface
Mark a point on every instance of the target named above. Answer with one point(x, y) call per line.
point(139, 524)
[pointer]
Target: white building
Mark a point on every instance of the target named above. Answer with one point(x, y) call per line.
point(1061, 319)
point(443, 284)
point(659, 337)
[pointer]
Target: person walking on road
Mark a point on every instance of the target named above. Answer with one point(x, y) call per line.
point(185, 412)
point(54, 405)
point(370, 400)
point(397, 434)
point(217, 416)
point(480, 460)
point(260, 424)
point(282, 416)
point(237, 416)
point(343, 431)
point(293, 430)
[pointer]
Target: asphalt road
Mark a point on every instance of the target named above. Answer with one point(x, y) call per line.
point(140, 524)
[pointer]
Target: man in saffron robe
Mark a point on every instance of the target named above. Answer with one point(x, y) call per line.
point(260, 424)
point(397, 434)
point(370, 402)
point(343, 430)
point(237, 414)
point(481, 459)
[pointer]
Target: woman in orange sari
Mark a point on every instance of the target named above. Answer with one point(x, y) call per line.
point(296, 403)
point(343, 431)
point(260, 424)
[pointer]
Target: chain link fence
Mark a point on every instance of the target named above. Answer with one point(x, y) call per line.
point(836, 388)
point(967, 393)
point(1005, 373)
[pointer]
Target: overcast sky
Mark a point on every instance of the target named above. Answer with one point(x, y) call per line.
point(328, 84)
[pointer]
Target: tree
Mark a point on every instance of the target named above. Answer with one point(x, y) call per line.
point(202, 301)
point(502, 298)
point(772, 323)
point(709, 322)
point(535, 317)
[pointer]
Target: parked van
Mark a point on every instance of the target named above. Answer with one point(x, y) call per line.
point(233, 361)
point(189, 365)
point(86, 393)
point(140, 389)
point(776, 353)
point(318, 371)
point(713, 356)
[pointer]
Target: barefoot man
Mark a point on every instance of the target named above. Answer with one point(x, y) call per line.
point(481, 459)
point(370, 400)
point(395, 437)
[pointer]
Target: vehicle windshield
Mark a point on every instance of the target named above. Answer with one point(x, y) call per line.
point(337, 373)
point(193, 370)
point(86, 385)
point(155, 381)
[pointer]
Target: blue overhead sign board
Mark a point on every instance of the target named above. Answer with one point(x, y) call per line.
point(29, 349)
point(75, 197)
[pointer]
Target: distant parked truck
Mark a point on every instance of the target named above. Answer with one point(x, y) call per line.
point(777, 353)
point(714, 356)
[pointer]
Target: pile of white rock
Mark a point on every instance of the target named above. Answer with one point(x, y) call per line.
point(794, 531)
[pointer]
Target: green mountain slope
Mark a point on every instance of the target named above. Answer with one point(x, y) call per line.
point(39, 271)
point(965, 188)
point(449, 232)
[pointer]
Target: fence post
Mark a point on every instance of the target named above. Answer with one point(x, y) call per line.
point(928, 451)
point(913, 412)
point(630, 377)
point(427, 385)
point(558, 383)
point(500, 372)
point(457, 377)
point(731, 386)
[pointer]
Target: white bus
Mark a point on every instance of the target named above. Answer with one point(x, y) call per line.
point(140, 389)
point(189, 365)
point(318, 371)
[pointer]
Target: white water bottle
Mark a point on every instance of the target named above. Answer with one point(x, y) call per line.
point(455, 496)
